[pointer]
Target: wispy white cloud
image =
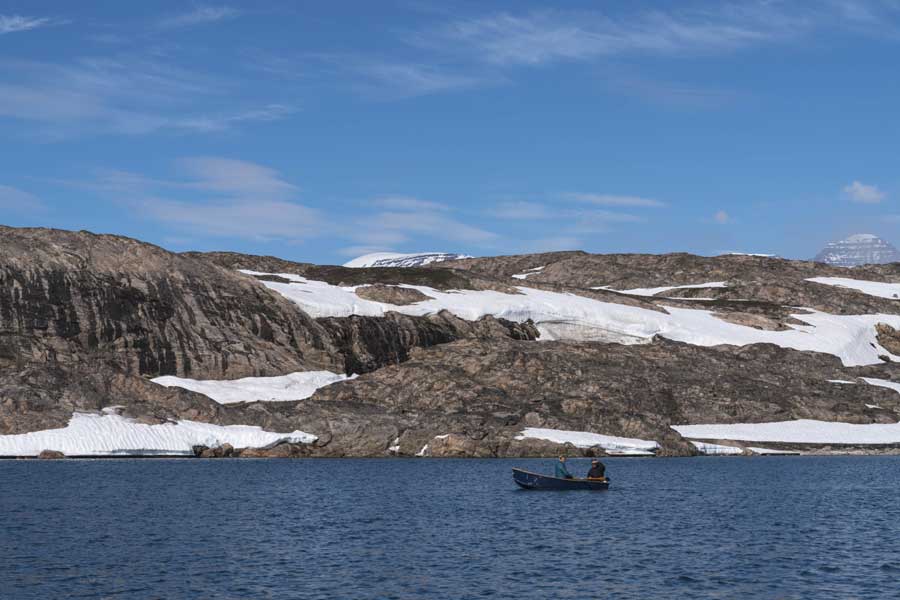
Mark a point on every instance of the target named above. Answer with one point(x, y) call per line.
point(614, 200)
point(15, 200)
point(434, 224)
point(215, 196)
point(408, 203)
point(863, 193)
point(16, 23)
point(548, 36)
point(391, 79)
point(125, 95)
point(265, 220)
point(200, 15)
point(522, 210)
point(238, 178)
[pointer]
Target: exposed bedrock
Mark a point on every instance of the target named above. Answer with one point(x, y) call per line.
point(72, 297)
point(488, 392)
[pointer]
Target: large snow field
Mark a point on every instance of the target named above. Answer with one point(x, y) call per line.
point(803, 431)
point(112, 435)
point(586, 439)
point(872, 288)
point(295, 386)
point(569, 316)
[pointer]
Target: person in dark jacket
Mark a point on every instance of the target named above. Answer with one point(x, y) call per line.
point(598, 470)
point(561, 470)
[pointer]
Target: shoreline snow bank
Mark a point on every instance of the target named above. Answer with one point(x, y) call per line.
point(717, 449)
point(802, 431)
point(294, 386)
point(586, 439)
point(90, 434)
point(558, 315)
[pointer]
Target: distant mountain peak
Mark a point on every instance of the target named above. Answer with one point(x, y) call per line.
point(858, 249)
point(395, 259)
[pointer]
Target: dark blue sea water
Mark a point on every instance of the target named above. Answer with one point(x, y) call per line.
point(800, 527)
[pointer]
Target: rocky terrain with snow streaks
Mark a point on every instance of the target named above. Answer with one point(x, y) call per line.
point(111, 346)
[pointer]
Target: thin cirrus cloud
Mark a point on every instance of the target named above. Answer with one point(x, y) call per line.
point(408, 203)
point(547, 36)
point(201, 15)
point(522, 210)
point(15, 200)
point(125, 95)
point(614, 200)
point(18, 23)
point(863, 193)
point(216, 197)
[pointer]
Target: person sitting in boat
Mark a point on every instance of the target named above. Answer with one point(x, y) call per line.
point(598, 470)
point(561, 470)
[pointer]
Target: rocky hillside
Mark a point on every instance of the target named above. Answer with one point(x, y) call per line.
point(496, 356)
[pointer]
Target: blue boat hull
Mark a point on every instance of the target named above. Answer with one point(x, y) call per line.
point(536, 481)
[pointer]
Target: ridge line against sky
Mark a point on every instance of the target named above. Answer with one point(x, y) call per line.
point(324, 132)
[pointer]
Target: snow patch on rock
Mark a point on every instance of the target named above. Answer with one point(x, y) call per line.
point(586, 439)
point(667, 288)
point(295, 386)
point(802, 431)
point(872, 288)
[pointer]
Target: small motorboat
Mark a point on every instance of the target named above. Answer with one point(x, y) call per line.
point(536, 481)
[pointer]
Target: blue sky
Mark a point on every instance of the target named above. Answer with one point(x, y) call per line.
point(319, 131)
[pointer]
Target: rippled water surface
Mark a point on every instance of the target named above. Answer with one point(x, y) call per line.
point(798, 527)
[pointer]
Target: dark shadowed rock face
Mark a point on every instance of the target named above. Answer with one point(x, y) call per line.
point(74, 296)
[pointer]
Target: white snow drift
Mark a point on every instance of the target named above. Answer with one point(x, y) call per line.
point(586, 439)
point(872, 288)
point(528, 273)
point(569, 316)
point(667, 288)
point(295, 386)
point(114, 435)
point(803, 431)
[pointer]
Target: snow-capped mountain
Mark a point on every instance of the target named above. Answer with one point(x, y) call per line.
point(394, 259)
point(856, 250)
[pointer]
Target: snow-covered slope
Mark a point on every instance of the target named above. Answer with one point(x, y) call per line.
point(856, 250)
point(295, 386)
point(568, 316)
point(394, 259)
point(114, 435)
